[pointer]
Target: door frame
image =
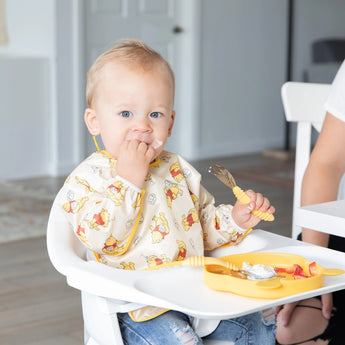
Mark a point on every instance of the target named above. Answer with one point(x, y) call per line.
point(189, 132)
point(67, 134)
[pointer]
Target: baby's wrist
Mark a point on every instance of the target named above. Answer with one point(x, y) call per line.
point(236, 226)
point(130, 184)
point(133, 174)
point(133, 180)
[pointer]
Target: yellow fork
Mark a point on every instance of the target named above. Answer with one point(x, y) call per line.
point(224, 176)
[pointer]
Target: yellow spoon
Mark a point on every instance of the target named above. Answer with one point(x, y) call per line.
point(196, 261)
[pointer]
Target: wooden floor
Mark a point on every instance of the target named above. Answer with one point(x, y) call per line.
point(36, 305)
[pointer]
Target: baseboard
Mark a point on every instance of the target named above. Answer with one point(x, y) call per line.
point(281, 154)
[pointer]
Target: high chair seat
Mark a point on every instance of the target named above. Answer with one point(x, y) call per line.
point(96, 284)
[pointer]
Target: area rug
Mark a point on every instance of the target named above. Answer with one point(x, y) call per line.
point(280, 176)
point(24, 210)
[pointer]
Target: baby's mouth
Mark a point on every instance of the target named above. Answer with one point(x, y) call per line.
point(143, 137)
point(148, 139)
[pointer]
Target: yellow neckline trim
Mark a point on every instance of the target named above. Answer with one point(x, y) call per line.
point(155, 163)
point(107, 154)
point(96, 143)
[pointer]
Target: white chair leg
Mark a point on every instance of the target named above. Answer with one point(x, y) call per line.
point(101, 327)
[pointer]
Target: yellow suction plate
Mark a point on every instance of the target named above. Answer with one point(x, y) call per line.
point(219, 278)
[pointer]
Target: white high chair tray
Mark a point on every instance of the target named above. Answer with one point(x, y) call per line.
point(182, 288)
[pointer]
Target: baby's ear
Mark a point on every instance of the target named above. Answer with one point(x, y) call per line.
point(171, 123)
point(91, 121)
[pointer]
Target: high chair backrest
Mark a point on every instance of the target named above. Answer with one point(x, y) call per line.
point(67, 255)
point(303, 103)
point(64, 249)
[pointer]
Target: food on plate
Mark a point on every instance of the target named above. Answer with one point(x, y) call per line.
point(296, 271)
point(263, 272)
point(258, 271)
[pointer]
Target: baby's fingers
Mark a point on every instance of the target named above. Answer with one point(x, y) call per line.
point(259, 202)
point(265, 205)
point(150, 153)
point(253, 196)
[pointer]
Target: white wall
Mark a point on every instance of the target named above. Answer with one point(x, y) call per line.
point(24, 99)
point(313, 20)
point(44, 36)
point(30, 26)
point(244, 57)
point(243, 67)
point(26, 66)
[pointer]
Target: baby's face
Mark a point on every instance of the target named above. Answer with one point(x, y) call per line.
point(132, 104)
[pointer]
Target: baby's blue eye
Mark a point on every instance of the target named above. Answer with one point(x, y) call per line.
point(155, 114)
point(126, 113)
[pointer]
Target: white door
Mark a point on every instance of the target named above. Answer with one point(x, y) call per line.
point(159, 23)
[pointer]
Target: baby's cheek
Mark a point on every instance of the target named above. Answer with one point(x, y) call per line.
point(157, 143)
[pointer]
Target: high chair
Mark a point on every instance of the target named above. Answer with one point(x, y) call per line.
point(95, 282)
point(304, 104)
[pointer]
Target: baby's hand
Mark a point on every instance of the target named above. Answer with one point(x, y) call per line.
point(133, 161)
point(242, 215)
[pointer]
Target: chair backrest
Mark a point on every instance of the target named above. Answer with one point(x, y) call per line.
point(303, 103)
point(64, 249)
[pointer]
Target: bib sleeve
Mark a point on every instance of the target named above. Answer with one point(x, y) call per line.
point(104, 213)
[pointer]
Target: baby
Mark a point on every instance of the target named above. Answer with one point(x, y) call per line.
point(134, 205)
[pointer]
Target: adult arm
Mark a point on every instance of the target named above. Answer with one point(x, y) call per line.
point(324, 171)
point(320, 184)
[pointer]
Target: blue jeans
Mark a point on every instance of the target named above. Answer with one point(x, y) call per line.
point(174, 328)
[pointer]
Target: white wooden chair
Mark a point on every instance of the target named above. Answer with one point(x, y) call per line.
point(96, 282)
point(303, 103)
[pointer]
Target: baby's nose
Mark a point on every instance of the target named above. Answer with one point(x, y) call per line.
point(142, 125)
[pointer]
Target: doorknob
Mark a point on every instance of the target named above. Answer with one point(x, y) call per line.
point(177, 29)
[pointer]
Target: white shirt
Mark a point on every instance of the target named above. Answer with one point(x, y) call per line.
point(335, 103)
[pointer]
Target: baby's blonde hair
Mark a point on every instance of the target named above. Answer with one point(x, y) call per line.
point(133, 52)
